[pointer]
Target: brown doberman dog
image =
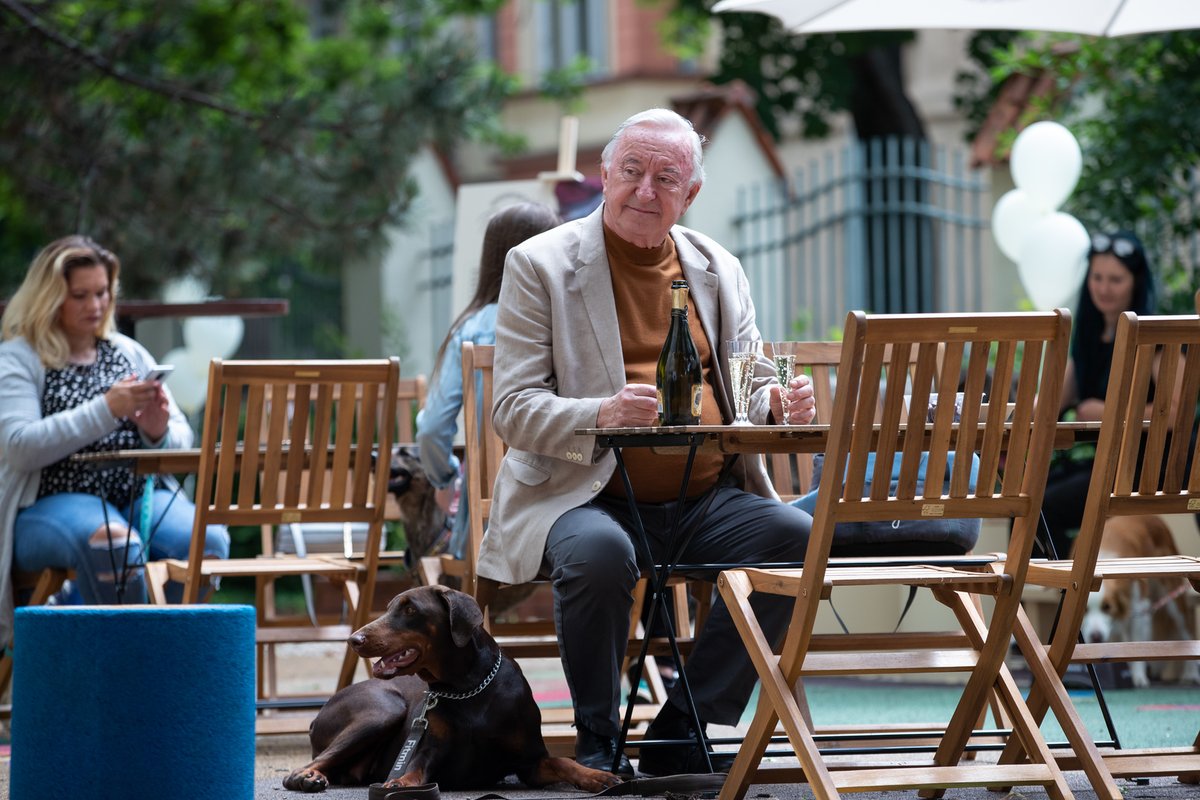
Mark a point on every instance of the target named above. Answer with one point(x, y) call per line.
point(484, 727)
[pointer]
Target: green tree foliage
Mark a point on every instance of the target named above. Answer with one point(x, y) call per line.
point(796, 78)
point(199, 136)
point(1134, 105)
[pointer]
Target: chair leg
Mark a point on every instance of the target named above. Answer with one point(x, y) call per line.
point(1050, 692)
point(1003, 686)
point(777, 701)
point(156, 582)
point(1192, 777)
point(350, 593)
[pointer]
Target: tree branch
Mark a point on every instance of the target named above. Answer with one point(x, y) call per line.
point(117, 72)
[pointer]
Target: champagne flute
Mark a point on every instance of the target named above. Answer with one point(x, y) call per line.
point(783, 355)
point(743, 355)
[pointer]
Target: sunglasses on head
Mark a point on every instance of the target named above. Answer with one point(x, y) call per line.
point(1120, 247)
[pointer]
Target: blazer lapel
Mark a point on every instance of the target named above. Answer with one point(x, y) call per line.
point(600, 305)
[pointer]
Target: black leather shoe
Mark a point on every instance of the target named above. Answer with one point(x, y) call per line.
point(677, 759)
point(596, 752)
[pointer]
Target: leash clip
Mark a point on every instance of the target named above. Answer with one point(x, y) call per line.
point(431, 701)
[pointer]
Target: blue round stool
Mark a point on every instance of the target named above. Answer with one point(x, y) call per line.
point(153, 702)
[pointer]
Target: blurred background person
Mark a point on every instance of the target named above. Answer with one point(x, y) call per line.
point(1118, 280)
point(69, 383)
point(437, 422)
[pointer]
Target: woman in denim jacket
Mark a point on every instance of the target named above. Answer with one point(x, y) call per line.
point(437, 423)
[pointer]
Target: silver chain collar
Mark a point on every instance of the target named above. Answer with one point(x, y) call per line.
point(435, 696)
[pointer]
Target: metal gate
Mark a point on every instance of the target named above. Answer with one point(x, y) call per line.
point(890, 225)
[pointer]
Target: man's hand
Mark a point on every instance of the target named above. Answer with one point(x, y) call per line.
point(802, 406)
point(635, 406)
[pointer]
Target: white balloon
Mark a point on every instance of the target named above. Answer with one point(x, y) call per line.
point(1054, 260)
point(213, 337)
point(1012, 218)
point(188, 384)
point(186, 360)
point(1045, 163)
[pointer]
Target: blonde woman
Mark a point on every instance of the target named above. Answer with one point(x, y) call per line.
point(69, 383)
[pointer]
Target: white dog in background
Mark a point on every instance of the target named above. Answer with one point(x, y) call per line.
point(1141, 610)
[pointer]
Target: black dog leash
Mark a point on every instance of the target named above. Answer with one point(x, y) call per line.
point(424, 791)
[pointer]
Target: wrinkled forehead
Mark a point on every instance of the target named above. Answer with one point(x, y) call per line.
point(663, 149)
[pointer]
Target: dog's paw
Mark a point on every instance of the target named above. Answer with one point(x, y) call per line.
point(306, 780)
point(595, 780)
point(1189, 674)
point(1139, 677)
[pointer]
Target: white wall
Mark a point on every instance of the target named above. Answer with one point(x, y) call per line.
point(732, 158)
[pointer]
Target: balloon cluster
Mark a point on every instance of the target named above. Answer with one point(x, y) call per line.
point(1049, 246)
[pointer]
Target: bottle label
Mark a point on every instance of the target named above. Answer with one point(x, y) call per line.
point(660, 403)
point(697, 397)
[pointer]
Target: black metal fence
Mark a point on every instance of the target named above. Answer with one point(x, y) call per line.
point(893, 225)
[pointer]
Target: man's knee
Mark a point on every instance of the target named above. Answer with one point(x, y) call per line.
point(600, 560)
point(787, 536)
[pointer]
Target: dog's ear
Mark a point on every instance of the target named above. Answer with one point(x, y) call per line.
point(465, 615)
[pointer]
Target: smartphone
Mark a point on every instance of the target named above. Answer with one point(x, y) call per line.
point(158, 372)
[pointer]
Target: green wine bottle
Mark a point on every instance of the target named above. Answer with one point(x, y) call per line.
point(679, 376)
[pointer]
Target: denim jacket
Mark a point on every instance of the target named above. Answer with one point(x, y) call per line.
point(437, 422)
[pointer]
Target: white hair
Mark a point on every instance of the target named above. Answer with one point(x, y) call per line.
point(661, 118)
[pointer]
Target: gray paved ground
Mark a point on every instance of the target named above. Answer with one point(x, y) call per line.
point(283, 756)
point(276, 756)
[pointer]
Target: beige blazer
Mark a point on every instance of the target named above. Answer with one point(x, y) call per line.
point(558, 355)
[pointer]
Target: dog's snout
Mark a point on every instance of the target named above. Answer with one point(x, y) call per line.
point(357, 640)
point(401, 479)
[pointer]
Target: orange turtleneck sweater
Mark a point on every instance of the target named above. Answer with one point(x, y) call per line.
point(641, 281)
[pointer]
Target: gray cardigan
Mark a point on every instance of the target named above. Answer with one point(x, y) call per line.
point(29, 441)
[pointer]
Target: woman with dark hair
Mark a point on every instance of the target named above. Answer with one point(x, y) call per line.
point(1118, 280)
point(70, 383)
point(437, 423)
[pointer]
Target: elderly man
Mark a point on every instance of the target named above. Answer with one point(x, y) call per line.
point(583, 314)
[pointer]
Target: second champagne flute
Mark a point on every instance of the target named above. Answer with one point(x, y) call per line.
point(783, 356)
point(743, 353)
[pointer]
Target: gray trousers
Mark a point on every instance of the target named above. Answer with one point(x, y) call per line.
point(593, 565)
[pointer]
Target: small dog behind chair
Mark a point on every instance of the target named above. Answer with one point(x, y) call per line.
point(1141, 610)
point(426, 526)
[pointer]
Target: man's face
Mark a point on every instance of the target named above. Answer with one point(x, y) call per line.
point(647, 187)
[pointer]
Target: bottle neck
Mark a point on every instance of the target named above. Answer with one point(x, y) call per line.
point(679, 299)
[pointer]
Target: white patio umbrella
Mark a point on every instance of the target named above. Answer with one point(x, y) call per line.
point(1095, 17)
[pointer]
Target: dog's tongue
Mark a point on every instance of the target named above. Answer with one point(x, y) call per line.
point(390, 665)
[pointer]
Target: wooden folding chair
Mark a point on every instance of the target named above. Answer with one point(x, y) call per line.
point(792, 475)
point(1014, 460)
point(322, 457)
point(345, 539)
point(1141, 467)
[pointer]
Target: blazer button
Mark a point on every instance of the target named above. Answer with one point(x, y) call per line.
point(596, 486)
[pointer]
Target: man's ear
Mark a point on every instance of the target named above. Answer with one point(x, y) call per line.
point(691, 195)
